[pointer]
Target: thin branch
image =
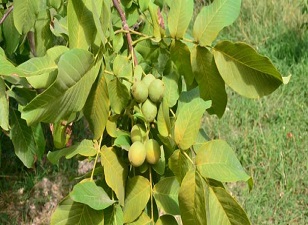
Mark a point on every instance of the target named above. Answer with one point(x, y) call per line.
point(126, 28)
point(6, 14)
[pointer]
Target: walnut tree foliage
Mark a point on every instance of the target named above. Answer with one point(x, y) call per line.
point(66, 60)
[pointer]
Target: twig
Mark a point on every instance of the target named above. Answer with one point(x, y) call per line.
point(126, 28)
point(6, 14)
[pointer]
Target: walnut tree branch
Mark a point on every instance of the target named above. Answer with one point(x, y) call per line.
point(126, 28)
point(6, 14)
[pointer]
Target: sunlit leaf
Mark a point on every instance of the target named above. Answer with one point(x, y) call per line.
point(211, 85)
point(70, 212)
point(96, 109)
point(81, 25)
point(115, 172)
point(118, 94)
point(216, 160)
point(245, 71)
point(41, 71)
point(7, 68)
point(213, 18)
point(188, 122)
point(143, 219)
point(160, 166)
point(179, 17)
point(138, 191)
point(224, 209)
point(96, 11)
point(122, 67)
point(192, 199)
point(92, 195)
point(163, 119)
point(166, 193)
point(155, 20)
point(24, 15)
point(4, 107)
point(179, 164)
point(113, 215)
point(68, 93)
point(29, 142)
point(84, 148)
point(171, 89)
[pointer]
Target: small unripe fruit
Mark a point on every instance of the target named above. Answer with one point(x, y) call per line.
point(137, 154)
point(152, 151)
point(138, 133)
point(147, 80)
point(156, 90)
point(149, 110)
point(139, 91)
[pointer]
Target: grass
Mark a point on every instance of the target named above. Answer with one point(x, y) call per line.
point(270, 134)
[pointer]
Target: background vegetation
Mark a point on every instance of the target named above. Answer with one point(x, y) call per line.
point(269, 135)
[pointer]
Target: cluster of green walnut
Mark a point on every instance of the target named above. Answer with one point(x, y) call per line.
point(148, 92)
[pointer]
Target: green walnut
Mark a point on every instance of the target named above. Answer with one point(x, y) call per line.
point(152, 151)
point(139, 91)
point(147, 80)
point(137, 154)
point(138, 133)
point(149, 110)
point(156, 90)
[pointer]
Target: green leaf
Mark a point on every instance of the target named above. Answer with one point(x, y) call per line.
point(10, 34)
point(245, 71)
point(41, 71)
point(166, 193)
point(115, 172)
point(4, 106)
point(166, 220)
point(179, 17)
point(97, 9)
point(113, 215)
point(118, 42)
point(138, 191)
point(42, 34)
point(84, 148)
point(68, 93)
point(8, 69)
point(24, 15)
point(118, 94)
point(224, 209)
point(163, 119)
point(160, 166)
point(180, 55)
point(59, 135)
point(81, 25)
point(29, 142)
point(92, 195)
point(123, 141)
point(155, 21)
point(143, 219)
point(179, 164)
point(211, 85)
point(213, 18)
point(192, 199)
point(216, 160)
point(70, 212)
point(188, 122)
point(96, 109)
point(122, 67)
point(171, 89)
